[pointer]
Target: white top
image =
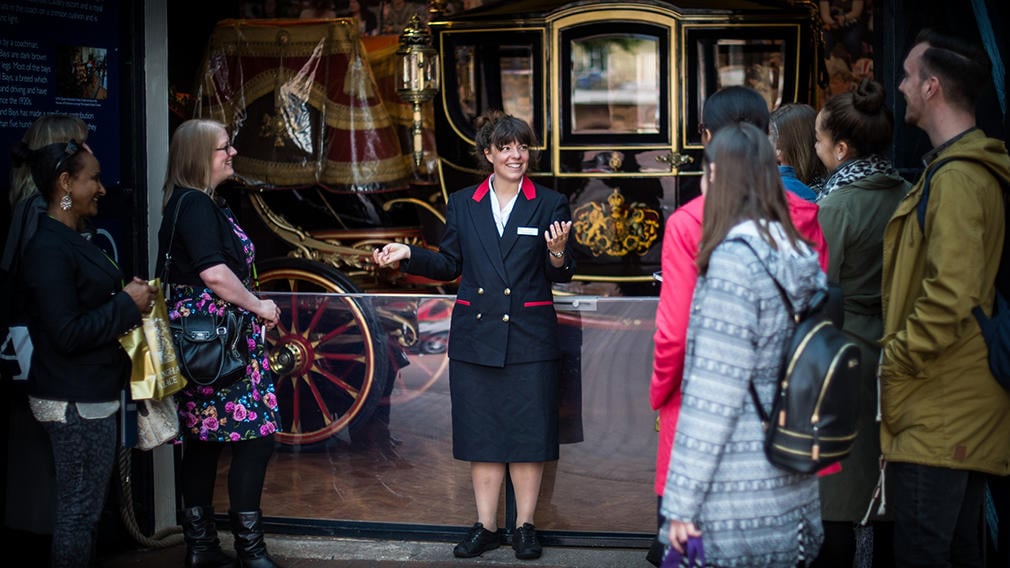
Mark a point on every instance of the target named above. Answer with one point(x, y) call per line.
point(501, 214)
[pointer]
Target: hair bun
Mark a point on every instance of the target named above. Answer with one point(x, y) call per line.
point(868, 96)
point(490, 116)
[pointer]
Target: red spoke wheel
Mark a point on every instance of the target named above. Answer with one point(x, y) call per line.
point(336, 368)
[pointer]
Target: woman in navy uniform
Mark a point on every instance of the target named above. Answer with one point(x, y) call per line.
point(507, 239)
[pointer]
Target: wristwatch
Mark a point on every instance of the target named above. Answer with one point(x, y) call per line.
point(556, 254)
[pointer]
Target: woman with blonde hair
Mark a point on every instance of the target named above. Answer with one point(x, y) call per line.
point(26, 200)
point(210, 271)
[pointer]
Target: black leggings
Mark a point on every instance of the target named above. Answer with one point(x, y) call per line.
point(249, 459)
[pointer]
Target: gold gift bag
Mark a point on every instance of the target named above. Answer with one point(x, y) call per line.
point(155, 373)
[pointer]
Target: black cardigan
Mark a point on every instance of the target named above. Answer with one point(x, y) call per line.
point(203, 238)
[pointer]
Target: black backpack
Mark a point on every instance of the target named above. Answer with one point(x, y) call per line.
point(995, 330)
point(812, 423)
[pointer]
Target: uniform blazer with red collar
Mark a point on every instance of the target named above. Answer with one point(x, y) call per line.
point(76, 311)
point(504, 311)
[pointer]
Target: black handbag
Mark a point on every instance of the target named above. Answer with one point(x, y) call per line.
point(211, 348)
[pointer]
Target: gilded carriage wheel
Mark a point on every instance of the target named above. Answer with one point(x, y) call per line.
point(333, 368)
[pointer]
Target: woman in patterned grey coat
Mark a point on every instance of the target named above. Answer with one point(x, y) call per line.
point(721, 486)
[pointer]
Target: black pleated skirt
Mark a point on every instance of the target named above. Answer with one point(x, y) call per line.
point(504, 415)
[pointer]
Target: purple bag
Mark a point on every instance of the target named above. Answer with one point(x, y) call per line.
point(694, 553)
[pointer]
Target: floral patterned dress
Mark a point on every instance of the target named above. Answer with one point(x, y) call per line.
point(246, 408)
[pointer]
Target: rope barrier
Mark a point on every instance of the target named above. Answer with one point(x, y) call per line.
point(167, 537)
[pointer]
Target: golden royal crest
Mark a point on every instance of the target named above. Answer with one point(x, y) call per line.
point(616, 229)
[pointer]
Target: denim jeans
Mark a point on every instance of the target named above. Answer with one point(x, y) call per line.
point(938, 515)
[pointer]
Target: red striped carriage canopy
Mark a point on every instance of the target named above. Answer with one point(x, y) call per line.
point(302, 105)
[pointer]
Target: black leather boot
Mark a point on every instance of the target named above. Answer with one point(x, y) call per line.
point(247, 527)
point(203, 549)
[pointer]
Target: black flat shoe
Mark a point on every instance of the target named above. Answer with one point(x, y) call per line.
point(478, 541)
point(525, 543)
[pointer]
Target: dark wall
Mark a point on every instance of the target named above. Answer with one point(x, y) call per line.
point(190, 23)
point(896, 24)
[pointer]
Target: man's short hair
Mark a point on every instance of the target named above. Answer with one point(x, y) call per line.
point(962, 67)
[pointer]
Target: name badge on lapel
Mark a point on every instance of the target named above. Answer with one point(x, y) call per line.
point(528, 231)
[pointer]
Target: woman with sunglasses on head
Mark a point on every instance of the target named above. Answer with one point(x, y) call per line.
point(210, 271)
point(78, 303)
point(31, 482)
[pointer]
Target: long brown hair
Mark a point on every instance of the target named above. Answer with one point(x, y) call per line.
point(746, 186)
point(792, 133)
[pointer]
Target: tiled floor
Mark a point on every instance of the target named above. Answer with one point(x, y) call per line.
point(298, 552)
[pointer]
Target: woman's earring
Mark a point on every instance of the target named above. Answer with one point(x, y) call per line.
point(66, 202)
point(839, 157)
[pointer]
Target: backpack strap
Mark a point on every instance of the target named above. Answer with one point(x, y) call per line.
point(920, 209)
point(762, 413)
point(991, 329)
point(1003, 275)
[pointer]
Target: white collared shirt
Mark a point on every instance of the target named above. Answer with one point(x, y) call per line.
point(501, 214)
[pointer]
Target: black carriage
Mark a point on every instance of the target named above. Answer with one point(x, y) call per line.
point(337, 155)
point(614, 91)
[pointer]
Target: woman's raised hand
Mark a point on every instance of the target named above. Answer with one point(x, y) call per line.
point(556, 236)
point(392, 252)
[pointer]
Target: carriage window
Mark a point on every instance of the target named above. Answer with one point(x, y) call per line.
point(515, 75)
point(741, 62)
point(517, 82)
point(466, 88)
point(615, 84)
point(764, 58)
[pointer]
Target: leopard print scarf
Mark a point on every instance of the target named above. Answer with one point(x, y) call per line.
point(855, 170)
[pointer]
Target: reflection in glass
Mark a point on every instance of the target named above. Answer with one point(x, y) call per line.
point(515, 64)
point(466, 88)
point(390, 460)
point(517, 82)
point(750, 63)
point(615, 84)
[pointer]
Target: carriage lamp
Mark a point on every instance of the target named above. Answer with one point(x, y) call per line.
point(416, 76)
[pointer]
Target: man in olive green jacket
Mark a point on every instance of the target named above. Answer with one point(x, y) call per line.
point(945, 419)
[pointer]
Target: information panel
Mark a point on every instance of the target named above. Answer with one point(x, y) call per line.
point(61, 56)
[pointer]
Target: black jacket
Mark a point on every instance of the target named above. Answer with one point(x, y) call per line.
point(76, 311)
point(504, 310)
